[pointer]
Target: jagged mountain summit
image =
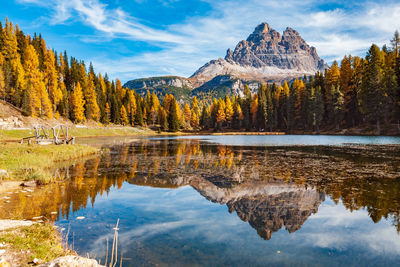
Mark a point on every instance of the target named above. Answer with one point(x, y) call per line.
point(265, 55)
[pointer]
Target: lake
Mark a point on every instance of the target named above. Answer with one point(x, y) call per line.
point(229, 201)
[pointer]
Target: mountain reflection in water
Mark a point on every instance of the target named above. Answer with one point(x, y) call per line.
point(268, 187)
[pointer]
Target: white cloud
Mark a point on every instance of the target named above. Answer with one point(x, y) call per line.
point(187, 45)
point(336, 227)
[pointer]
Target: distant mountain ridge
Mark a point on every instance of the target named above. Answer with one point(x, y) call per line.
point(265, 56)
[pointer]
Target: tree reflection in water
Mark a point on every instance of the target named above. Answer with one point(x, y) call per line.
point(268, 187)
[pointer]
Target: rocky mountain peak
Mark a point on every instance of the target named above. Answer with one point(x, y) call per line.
point(289, 31)
point(263, 33)
point(262, 28)
point(264, 56)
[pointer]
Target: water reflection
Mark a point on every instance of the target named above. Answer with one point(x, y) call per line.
point(268, 187)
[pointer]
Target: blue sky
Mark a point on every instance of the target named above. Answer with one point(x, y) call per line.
point(139, 38)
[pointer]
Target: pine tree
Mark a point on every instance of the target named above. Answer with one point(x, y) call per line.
point(139, 113)
point(337, 106)
point(389, 85)
point(254, 110)
point(347, 88)
point(163, 120)
point(173, 116)
point(246, 108)
point(396, 43)
point(372, 87)
point(299, 102)
point(262, 110)
point(290, 109)
point(269, 110)
point(77, 104)
point(205, 119)
point(317, 107)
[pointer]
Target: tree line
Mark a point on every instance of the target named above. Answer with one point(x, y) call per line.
point(359, 91)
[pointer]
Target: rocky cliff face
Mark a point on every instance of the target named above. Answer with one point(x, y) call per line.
point(156, 82)
point(226, 85)
point(265, 55)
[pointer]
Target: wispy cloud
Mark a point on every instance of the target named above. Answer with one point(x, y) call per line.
point(185, 46)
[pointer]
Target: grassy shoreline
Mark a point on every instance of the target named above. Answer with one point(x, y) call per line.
point(33, 162)
point(18, 134)
point(39, 241)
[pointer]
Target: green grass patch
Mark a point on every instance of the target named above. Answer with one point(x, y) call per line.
point(81, 132)
point(41, 240)
point(35, 162)
point(110, 131)
point(15, 134)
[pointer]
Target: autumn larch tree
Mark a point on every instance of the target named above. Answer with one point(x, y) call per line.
point(124, 116)
point(91, 107)
point(77, 104)
point(36, 98)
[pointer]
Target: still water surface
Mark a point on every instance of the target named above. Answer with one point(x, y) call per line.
point(232, 201)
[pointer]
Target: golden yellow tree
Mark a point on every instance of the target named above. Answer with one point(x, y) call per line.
point(195, 106)
point(77, 104)
point(51, 78)
point(124, 116)
point(228, 110)
point(132, 106)
point(300, 99)
point(15, 78)
point(36, 99)
point(187, 115)
point(103, 87)
point(220, 114)
point(239, 112)
point(332, 75)
point(2, 83)
point(194, 120)
point(92, 108)
point(254, 109)
point(167, 102)
point(119, 89)
point(107, 113)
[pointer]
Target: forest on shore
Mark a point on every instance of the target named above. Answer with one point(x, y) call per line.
point(358, 92)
